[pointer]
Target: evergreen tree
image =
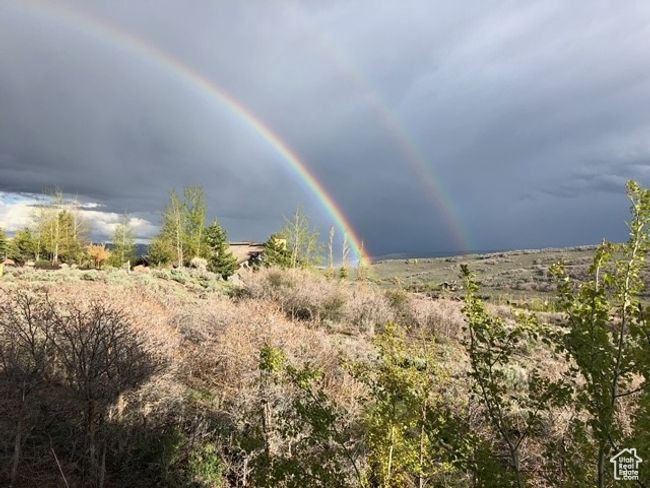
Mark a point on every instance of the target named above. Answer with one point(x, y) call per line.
point(123, 244)
point(220, 261)
point(22, 247)
point(276, 252)
point(160, 251)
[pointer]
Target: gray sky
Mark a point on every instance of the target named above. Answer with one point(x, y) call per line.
point(529, 116)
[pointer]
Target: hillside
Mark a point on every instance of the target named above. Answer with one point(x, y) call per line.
point(506, 277)
point(287, 378)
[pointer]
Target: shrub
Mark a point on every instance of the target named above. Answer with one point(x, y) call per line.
point(46, 265)
point(205, 467)
point(199, 263)
point(98, 254)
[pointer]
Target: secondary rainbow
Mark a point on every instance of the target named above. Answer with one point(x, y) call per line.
point(424, 171)
point(206, 87)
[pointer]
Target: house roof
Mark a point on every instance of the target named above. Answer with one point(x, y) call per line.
point(246, 250)
point(629, 451)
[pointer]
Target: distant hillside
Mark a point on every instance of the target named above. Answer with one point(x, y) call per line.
point(140, 249)
point(508, 275)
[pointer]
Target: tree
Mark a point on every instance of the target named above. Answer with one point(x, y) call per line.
point(4, 245)
point(72, 235)
point(330, 251)
point(345, 255)
point(181, 235)
point(512, 413)
point(323, 450)
point(59, 229)
point(296, 245)
point(174, 227)
point(607, 335)
point(220, 260)
point(160, 250)
point(123, 244)
point(48, 225)
point(276, 252)
point(402, 415)
point(22, 247)
point(100, 356)
point(196, 210)
point(26, 360)
point(98, 255)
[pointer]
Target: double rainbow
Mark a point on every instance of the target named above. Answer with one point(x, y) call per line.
point(205, 87)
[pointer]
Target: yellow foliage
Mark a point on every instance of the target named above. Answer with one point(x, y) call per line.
point(98, 254)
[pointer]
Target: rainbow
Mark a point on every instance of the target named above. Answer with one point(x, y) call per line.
point(424, 171)
point(203, 86)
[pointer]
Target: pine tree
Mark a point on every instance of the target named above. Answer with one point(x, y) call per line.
point(276, 252)
point(220, 261)
point(22, 247)
point(160, 250)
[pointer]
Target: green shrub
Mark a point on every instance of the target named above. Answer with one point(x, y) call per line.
point(205, 467)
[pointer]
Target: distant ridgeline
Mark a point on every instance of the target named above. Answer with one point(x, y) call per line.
point(480, 254)
point(140, 249)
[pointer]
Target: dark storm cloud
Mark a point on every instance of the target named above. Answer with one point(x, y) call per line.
point(531, 115)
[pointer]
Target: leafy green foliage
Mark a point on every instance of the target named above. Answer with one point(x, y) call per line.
point(402, 419)
point(170, 244)
point(123, 249)
point(195, 215)
point(4, 245)
point(513, 412)
point(205, 467)
point(607, 333)
point(60, 232)
point(325, 455)
point(296, 245)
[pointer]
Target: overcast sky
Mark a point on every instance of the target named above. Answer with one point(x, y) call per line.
point(528, 115)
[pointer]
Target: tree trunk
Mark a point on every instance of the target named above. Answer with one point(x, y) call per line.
point(102, 469)
point(390, 458)
point(601, 465)
point(18, 441)
point(421, 457)
point(55, 257)
point(92, 466)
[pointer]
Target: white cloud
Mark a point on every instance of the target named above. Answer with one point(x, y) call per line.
point(17, 212)
point(15, 215)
